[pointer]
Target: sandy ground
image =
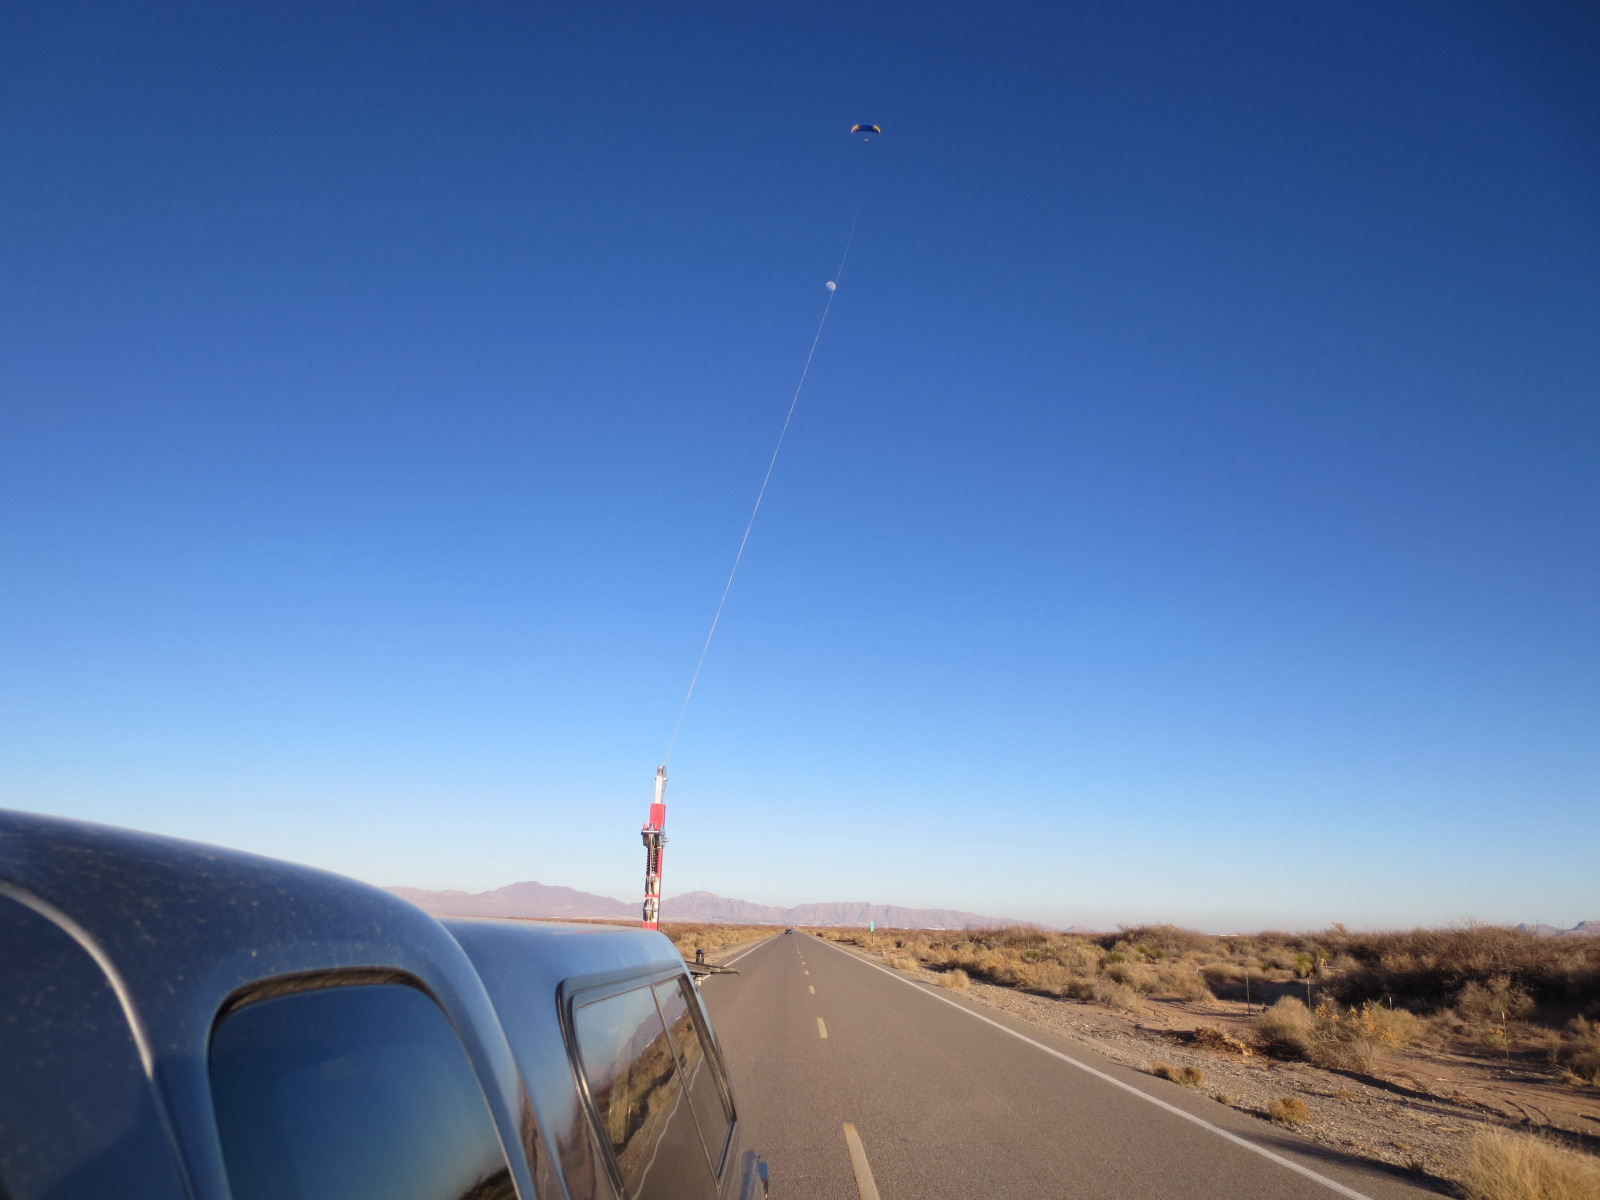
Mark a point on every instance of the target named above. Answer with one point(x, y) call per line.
point(1416, 1112)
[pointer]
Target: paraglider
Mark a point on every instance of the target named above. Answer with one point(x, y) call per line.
point(868, 130)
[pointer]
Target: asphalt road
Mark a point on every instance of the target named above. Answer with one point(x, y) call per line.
point(947, 1105)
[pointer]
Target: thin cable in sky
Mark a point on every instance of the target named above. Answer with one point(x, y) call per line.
point(832, 292)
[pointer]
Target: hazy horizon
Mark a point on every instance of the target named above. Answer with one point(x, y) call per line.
point(1191, 514)
point(1108, 927)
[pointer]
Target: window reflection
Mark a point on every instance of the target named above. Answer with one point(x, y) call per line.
point(633, 1080)
point(352, 1093)
point(700, 1081)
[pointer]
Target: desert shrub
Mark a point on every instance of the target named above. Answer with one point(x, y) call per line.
point(955, 980)
point(1048, 978)
point(997, 967)
point(1342, 1041)
point(1584, 1067)
point(1339, 1039)
point(1421, 970)
point(1553, 1044)
point(1078, 956)
point(1183, 983)
point(1495, 1000)
point(1187, 1076)
point(1222, 974)
point(1287, 1028)
point(1134, 975)
point(1503, 1165)
point(1081, 987)
point(1347, 1040)
point(1289, 1110)
point(900, 961)
point(1579, 1051)
point(1172, 939)
point(1425, 968)
point(1113, 995)
point(1209, 1037)
point(1395, 1026)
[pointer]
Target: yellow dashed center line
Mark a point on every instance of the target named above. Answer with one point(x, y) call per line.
point(865, 1185)
point(811, 989)
point(822, 1030)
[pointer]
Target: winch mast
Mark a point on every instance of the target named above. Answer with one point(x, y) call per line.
point(654, 840)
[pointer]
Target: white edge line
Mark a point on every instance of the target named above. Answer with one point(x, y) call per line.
point(1115, 1082)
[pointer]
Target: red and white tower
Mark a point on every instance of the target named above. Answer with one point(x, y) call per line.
point(654, 840)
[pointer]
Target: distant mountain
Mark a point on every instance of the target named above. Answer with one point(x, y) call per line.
point(518, 900)
point(542, 900)
point(704, 906)
point(1581, 929)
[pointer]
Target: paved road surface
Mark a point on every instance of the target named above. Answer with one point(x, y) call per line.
point(946, 1105)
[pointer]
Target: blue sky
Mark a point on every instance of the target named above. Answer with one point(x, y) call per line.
point(1191, 513)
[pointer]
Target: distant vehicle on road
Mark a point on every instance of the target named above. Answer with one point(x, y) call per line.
point(180, 1022)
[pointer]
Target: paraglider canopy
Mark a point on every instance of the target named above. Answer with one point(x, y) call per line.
point(869, 130)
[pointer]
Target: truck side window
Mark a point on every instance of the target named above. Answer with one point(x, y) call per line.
point(633, 1079)
point(706, 1092)
point(349, 1092)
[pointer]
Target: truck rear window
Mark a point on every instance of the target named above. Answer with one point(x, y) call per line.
point(348, 1093)
point(633, 1079)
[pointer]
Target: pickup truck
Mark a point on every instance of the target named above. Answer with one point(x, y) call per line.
point(181, 1022)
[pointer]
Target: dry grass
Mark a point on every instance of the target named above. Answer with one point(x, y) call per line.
point(1430, 969)
point(1514, 1166)
point(711, 938)
point(1289, 1111)
point(955, 980)
point(1491, 985)
point(1340, 1039)
point(1579, 1051)
point(1188, 1076)
point(1286, 1028)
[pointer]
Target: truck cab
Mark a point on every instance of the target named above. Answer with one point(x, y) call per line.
point(182, 1022)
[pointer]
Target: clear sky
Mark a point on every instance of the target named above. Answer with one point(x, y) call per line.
point(1191, 514)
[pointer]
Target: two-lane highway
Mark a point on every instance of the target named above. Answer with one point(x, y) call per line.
point(946, 1100)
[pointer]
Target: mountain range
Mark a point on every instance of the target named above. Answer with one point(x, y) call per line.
point(544, 900)
point(1581, 929)
point(532, 899)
